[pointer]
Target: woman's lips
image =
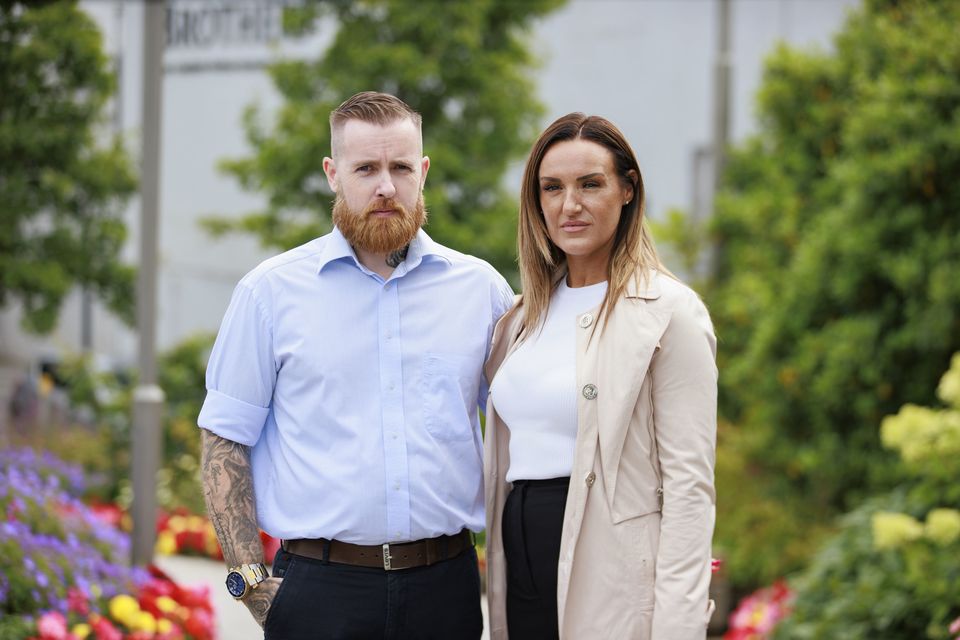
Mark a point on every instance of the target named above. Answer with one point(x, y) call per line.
point(574, 226)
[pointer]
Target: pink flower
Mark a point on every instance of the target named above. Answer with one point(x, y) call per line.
point(77, 601)
point(955, 626)
point(758, 614)
point(104, 630)
point(52, 626)
point(715, 564)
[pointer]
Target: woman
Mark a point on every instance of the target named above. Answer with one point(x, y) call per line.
point(601, 422)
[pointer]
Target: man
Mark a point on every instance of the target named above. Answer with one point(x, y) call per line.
point(341, 410)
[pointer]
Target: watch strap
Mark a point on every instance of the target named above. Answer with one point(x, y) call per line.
point(252, 574)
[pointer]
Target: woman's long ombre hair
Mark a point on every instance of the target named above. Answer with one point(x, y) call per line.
point(542, 263)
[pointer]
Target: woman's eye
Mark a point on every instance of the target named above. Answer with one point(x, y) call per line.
point(591, 185)
point(551, 187)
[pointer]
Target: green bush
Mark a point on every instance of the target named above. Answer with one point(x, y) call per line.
point(893, 570)
point(833, 283)
point(104, 448)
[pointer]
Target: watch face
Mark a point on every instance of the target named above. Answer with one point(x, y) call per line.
point(236, 585)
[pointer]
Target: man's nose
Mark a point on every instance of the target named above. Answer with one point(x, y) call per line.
point(386, 188)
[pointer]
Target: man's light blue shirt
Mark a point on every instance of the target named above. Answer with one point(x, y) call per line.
point(359, 395)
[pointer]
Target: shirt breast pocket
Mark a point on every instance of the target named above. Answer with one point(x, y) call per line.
point(449, 388)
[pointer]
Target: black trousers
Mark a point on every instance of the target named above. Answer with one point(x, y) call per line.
point(532, 524)
point(321, 600)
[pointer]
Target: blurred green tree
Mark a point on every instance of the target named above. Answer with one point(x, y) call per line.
point(836, 288)
point(61, 190)
point(463, 65)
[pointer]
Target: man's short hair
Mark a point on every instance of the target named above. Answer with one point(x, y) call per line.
point(373, 107)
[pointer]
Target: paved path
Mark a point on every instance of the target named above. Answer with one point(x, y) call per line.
point(233, 621)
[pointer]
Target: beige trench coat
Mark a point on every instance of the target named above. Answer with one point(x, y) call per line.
point(635, 547)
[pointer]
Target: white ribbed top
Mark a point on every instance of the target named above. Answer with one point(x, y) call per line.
point(535, 390)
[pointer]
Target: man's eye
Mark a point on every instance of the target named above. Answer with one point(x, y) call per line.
point(364, 168)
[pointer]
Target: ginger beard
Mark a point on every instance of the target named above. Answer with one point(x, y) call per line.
point(377, 235)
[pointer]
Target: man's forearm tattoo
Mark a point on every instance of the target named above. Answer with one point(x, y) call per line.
point(228, 492)
point(398, 256)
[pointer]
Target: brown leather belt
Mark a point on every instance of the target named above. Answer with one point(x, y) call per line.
point(401, 555)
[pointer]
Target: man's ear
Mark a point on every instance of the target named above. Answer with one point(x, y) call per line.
point(330, 169)
point(424, 167)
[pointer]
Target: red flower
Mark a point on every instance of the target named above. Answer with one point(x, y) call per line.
point(103, 629)
point(200, 625)
point(108, 513)
point(270, 547)
point(77, 602)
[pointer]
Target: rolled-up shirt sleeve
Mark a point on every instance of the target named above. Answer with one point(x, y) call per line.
point(241, 372)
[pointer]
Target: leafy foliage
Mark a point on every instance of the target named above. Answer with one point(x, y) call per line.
point(888, 574)
point(60, 191)
point(107, 396)
point(834, 292)
point(463, 65)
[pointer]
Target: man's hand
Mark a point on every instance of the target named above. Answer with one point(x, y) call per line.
point(261, 598)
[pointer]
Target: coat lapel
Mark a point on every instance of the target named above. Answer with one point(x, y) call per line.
point(620, 358)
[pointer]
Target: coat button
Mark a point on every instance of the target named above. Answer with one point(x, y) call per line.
point(589, 391)
point(586, 320)
point(590, 479)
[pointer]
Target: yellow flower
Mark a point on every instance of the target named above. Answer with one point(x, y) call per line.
point(166, 543)
point(144, 621)
point(177, 524)
point(124, 608)
point(166, 604)
point(919, 433)
point(890, 530)
point(81, 630)
point(164, 626)
point(943, 526)
point(949, 389)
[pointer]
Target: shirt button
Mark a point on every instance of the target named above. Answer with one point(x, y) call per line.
point(590, 479)
point(391, 386)
point(589, 391)
point(586, 320)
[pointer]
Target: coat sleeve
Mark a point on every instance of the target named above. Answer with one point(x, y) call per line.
point(684, 387)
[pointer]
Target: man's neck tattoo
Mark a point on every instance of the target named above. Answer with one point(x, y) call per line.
point(398, 256)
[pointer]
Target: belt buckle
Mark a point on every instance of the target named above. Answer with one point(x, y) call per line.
point(386, 557)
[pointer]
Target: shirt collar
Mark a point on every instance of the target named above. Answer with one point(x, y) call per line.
point(421, 247)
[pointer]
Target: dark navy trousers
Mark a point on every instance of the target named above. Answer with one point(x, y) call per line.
point(325, 601)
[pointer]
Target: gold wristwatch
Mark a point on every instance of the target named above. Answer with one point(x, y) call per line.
point(245, 578)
